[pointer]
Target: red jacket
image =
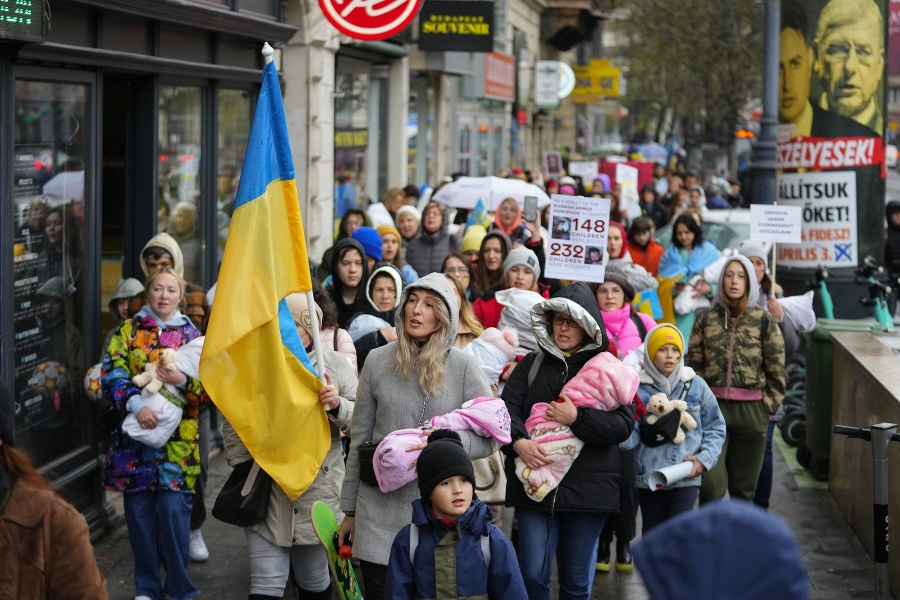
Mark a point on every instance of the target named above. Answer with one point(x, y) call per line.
point(488, 310)
point(647, 257)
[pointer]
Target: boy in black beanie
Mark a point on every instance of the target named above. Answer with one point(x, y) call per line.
point(451, 532)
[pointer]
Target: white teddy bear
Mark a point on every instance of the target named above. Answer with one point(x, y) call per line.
point(660, 405)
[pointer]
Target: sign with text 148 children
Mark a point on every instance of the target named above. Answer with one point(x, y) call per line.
point(578, 231)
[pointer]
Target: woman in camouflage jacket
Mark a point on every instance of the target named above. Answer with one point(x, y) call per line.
point(739, 351)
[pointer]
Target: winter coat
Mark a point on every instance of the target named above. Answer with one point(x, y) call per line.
point(426, 252)
point(66, 569)
point(359, 304)
point(647, 257)
point(340, 341)
point(736, 353)
point(130, 466)
point(592, 483)
point(705, 442)
point(289, 523)
point(387, 402)
point(455, 555)
point(657, 212)
point(621, 327)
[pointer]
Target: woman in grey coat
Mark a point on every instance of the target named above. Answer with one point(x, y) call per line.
point(286, 538)
point(402, 385)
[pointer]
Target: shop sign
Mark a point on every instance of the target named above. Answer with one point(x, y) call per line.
point(351, 138)
point(456, 26)
point(546, 84)
point(499, 76)
point(22, 20)
point(596, 81)
point(370, 20)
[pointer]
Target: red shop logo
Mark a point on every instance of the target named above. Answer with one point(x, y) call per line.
point(370, 19)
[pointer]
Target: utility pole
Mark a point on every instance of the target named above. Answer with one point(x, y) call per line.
point(763, 165)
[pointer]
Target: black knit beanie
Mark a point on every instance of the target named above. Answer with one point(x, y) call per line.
point(441, 458)
point(7, 415)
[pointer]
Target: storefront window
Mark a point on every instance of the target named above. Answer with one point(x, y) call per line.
point(420, 131)
point(351, 135)
point(179, 162)
point(465, 148)
point(483, 150)
point(234, 131)
point(496, 149)
point(49, 190)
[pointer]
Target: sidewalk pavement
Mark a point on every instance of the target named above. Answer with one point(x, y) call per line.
point(838, 565)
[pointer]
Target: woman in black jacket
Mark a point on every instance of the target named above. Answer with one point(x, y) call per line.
point(568, 521)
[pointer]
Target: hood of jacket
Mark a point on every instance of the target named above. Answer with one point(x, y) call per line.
point(577, 302)
point(702, 202)
point(436, 283)
point(127, 288)
point(168, 243)
point(394, 272)
point(889, 209)
point(753, 296)
point(336, 282)
point(748, 553)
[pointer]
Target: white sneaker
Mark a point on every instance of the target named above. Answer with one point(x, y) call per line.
point(198, 550)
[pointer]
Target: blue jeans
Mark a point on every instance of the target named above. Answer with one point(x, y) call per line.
point(572, 537)
point(764, 485)
point(159, 525)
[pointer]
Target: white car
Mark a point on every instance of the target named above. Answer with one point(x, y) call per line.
point(726, 228)
point(890, 156)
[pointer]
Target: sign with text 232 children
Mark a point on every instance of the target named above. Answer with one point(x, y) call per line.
point(578, 229)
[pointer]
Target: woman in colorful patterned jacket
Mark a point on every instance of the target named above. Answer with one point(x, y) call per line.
point(158, 483)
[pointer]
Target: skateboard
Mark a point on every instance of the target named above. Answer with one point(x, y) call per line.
point(326, 526)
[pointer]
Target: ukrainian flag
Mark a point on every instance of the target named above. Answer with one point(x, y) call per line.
point(254, 366)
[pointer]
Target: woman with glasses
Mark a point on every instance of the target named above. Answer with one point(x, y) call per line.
point(567, 523)
point(460, 269)
point(627, 328)
point(391, 252)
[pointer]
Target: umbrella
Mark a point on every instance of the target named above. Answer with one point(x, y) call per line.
point(466, 191)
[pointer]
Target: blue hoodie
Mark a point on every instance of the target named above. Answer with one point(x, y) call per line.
point(738, 551)
point(501, 580)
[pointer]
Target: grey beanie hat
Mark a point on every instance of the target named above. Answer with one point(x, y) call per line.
point(750, 248)
point(522, 256)
point(617, 276)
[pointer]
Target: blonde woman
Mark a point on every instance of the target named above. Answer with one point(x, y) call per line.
point(404, 384)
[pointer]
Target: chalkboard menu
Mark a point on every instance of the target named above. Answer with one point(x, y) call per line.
point(22, 20)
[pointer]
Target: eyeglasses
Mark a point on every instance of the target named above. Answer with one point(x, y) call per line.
point(353, 223)
point(839, 52)
point(459, 270)
point(559, 320)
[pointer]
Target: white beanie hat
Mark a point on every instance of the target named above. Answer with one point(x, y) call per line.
point(409, 208)
point(750, 248)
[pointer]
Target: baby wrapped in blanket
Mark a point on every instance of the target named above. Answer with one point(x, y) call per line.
point(486, 417)
point(604, 383)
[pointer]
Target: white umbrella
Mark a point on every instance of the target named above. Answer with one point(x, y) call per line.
point(466, 191)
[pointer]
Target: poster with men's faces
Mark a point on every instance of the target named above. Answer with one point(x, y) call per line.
point(831, 125)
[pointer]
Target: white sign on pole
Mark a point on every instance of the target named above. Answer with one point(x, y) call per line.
point(828, 231)
point(578, 232)
point(587, 170)
point(546, 84)
point(629, 200)
point(780, 223)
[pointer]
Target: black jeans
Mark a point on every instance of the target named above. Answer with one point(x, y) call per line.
point(623, 522)
point(374, 576)
point(658, 506)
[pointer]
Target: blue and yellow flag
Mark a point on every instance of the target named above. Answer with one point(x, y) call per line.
point(254, 366)
point(479, 216)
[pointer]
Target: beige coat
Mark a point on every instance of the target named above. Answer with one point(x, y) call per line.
point(289, 523)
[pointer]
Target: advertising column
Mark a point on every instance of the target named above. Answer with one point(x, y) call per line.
point(830, 140)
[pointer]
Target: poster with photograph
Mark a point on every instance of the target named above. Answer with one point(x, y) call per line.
point(831, 115)
point(553, 165)
point(578, 229)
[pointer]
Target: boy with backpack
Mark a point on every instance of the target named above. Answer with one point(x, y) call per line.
point(451, 534)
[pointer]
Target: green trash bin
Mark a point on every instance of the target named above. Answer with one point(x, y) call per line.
point(814, 452)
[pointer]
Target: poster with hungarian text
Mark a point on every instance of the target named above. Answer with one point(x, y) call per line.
point(831, 115)
point(578, 231)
